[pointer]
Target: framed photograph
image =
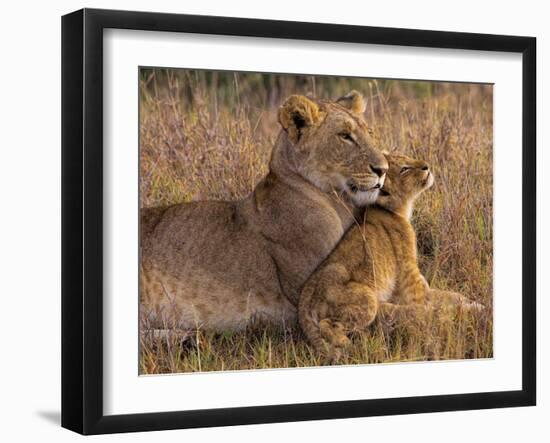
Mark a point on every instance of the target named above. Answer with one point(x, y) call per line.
point(269, 221)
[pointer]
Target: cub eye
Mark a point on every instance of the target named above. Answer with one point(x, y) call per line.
point(405, 169)
point(346, 136)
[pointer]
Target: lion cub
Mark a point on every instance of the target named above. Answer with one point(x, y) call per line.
point(374, 263)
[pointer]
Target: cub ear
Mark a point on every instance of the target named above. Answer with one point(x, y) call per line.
point(296, 114)
point(354, 101)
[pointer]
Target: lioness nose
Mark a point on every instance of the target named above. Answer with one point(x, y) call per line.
point(378, 170)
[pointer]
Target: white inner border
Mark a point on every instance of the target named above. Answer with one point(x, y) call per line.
point(126, 392)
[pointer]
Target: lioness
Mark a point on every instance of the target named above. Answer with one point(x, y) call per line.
point(374, 267)
point(217, 265)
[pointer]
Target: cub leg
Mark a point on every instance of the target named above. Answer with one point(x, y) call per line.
point(335, 338)
point(334, 333)
point(356, 306)
point(313, 307)
point(331, 307)
point(440, 298)
point(408, 302)
point(412, 287)
point(353, 307)
point(391, 313)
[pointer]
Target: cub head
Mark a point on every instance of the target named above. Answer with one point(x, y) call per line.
point(332, 146)
point(405, 180)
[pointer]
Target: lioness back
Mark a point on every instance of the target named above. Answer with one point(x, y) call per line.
point(219, 265)
point(228, 257)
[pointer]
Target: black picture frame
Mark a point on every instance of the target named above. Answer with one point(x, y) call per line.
point(82, 220)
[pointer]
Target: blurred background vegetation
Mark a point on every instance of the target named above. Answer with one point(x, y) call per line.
point(264, 91)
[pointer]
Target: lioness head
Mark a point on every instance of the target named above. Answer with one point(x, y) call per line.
point(332, 146)
point(405, 180)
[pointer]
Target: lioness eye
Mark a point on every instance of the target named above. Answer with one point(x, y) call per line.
point(346, 136)
point(405, 169)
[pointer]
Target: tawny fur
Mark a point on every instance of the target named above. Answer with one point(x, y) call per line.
point(218, 265)
point(374, 268)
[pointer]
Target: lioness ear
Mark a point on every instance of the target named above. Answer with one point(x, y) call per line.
point(353, 101)
point(296, 114)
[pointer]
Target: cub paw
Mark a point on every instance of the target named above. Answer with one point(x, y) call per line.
point(340, 338)
point(334, 333)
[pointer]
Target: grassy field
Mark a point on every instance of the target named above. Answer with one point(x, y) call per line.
point(208, 135)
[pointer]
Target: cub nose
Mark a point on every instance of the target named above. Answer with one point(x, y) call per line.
point(378, 170)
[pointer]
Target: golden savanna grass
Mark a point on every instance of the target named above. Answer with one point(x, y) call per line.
point(208, 135)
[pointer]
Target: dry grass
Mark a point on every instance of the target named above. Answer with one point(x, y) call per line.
point(209, 136)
